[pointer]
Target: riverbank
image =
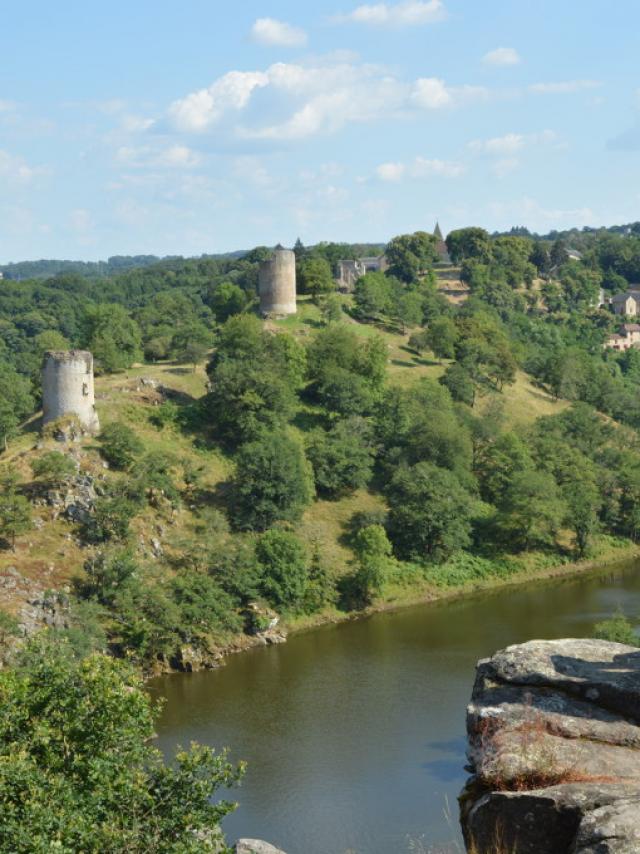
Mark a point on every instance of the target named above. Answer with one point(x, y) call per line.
point(416, 587)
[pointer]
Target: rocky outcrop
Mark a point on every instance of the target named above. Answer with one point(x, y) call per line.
point(554, 750)
point(255, 846)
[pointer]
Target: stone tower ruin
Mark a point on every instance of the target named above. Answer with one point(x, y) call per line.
point(67, 387)
point(277, 283)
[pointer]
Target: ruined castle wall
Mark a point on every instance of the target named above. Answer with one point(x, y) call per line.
point(67, 387)
point(277, 283)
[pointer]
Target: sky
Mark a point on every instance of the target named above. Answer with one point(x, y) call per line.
point(158, 127)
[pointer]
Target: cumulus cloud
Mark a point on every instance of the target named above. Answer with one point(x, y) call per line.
point(407, 14)
point(419, 167)
point(502, 56)
point(289, 101)
point(269, 31)
point(431, 93)
point(231, 92)
point(564, 87)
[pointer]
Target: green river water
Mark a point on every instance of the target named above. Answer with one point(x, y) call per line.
point(355, 733)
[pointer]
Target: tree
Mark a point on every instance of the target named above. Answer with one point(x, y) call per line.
point(53, 468)
point(191, 343)
point(558, 254)
point(430, 513)
point(407, 307)
point(15, 509)
point(314, 277)
point(247, 397)
point(532, 510)
point(342, 458)
point(373, 552)
point(583, 501)
point(80, 772)
point(497, 465)
point(272, 482)
point(113, 337)
point(441, 338)
point(331, 308)
point(16, 401)
point(465, 243)
point(372, 295)
point(285, 568)
point(228, 299)
point(119, 445)
point(459, 381)
point(411, 255)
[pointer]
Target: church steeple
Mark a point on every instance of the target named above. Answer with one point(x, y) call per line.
point(437, 232)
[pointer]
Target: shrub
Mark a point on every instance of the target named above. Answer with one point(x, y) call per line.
point(120, 445)
point(53, 468)
point(618, 629)
point(79, 769)
point(285, 570)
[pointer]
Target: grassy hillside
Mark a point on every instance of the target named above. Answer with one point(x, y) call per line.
point(51, 554)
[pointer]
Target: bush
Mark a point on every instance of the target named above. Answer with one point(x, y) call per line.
point(79, 769)
point(285, 569)
point(53, 468)
point(120, 445)
point(617, 629)
point(110, 519)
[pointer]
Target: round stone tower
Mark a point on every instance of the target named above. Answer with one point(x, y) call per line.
point(277, 283)
point(67, 387)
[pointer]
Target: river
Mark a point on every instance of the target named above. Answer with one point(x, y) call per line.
point(355, 733)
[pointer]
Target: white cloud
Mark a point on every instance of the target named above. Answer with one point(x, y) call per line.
point(507, 144)
point(420, 167)
point(269, 31)
point(173, 157)
point(539, 217)
point(565, 87)
point(502, 56)
point(201, 109)
point(407, 14)
point(391, 171)
point(510, 143)
point(431, 93)
point(16, 169)
point(7, 106)
point(302, 100)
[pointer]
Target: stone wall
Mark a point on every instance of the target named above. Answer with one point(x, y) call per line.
point(554, 750)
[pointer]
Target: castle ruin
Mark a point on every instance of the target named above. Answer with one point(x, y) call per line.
point(277, 283)
point(67, 387)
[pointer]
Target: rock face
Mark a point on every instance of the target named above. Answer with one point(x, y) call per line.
point(255, 846)
point(554, 750)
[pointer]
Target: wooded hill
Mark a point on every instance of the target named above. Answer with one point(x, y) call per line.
point(375, 447)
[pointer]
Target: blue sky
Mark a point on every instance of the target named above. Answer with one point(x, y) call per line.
point(152, 126)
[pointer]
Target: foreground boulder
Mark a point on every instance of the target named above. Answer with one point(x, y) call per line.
point(554, 750)
point(255, 846)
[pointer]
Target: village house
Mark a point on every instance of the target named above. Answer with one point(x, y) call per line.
point(626, 304)
point(627, 336)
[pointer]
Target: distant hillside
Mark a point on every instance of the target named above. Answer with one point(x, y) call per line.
point(45, 268)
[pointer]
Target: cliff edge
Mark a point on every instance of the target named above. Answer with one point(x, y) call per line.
point(554, 750)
